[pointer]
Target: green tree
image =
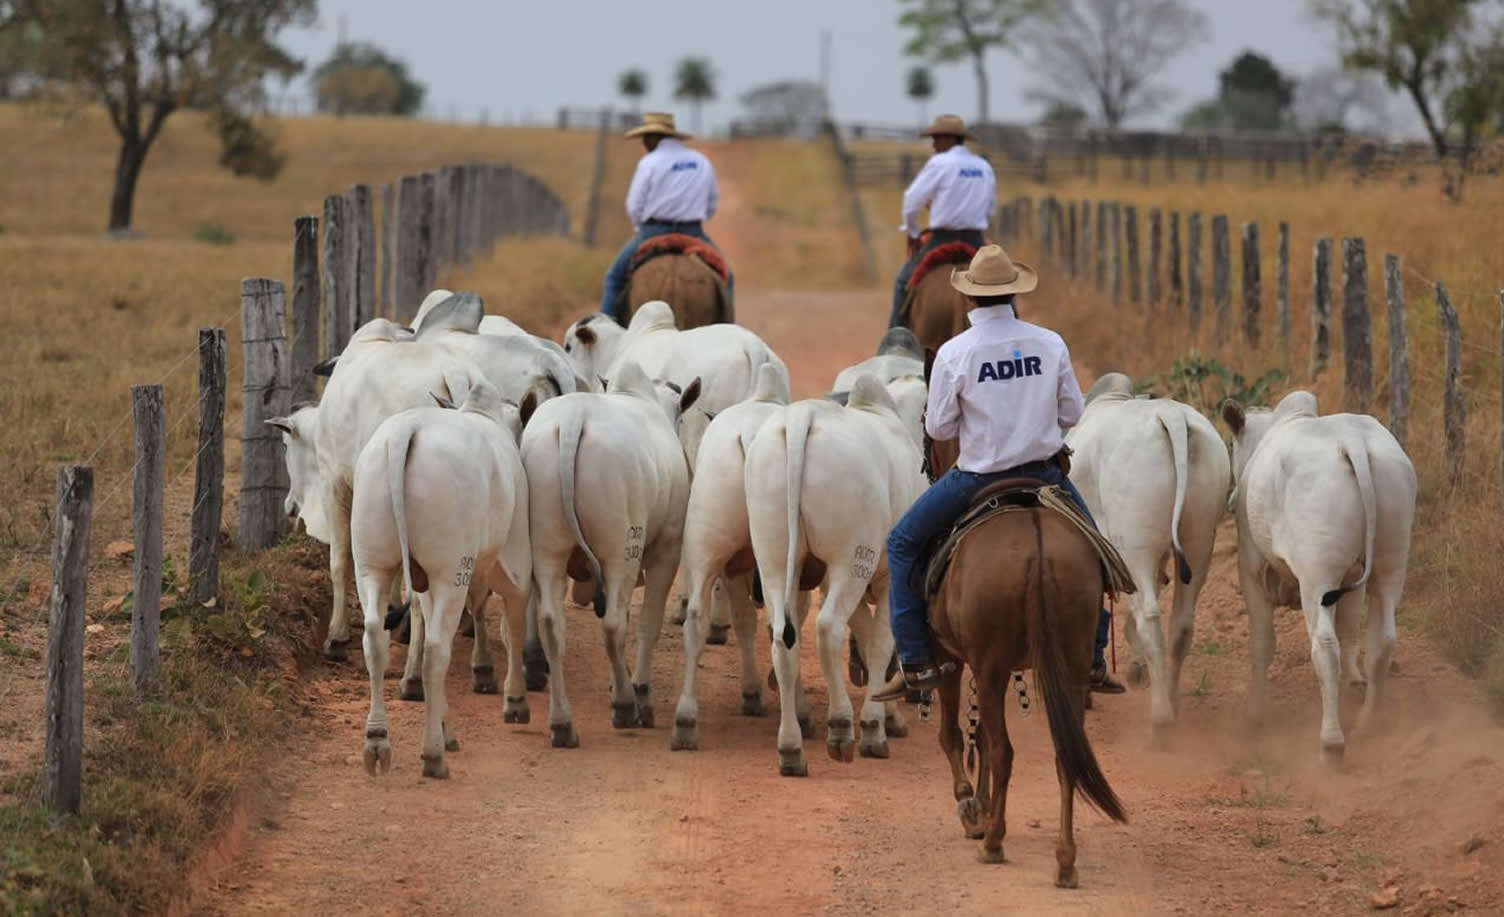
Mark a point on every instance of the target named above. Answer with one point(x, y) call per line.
point(362, 79)
point(1253, 74)
point(147, 59)
point(694, 82)
point(633, 85)
point(1064, 115)
point(946, 31)
point(920, 86)
point(1253, 95)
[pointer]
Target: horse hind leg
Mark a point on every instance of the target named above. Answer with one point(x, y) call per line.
point(953, 744)
point(1000, 753)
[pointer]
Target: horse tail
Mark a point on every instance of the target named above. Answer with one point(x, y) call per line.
point(1072, 749)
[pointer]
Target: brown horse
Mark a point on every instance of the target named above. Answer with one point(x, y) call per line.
point(936, 310)
point(690, 287)
point(1023, 590)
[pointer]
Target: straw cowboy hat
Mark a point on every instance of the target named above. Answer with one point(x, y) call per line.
point(993, 273)
point(657, 122)
point(948, 125)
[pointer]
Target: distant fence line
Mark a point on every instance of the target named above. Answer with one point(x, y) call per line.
point(1064, 232)
point(427, 222)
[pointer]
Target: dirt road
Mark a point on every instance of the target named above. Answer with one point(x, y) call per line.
point(1225, 822)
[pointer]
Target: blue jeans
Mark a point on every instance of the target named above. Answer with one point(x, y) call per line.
point(933, 514)
point(937, 237)
point(621, 269)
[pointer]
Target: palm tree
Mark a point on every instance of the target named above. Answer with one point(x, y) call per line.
point(633, 84)
point(921, 86)
point(694, 82)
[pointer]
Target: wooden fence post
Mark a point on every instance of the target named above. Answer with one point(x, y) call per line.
point(407, 281)
point(1284, 292)
point(1087, 230)
point(1177, 287)
point(1357, 335)
point(1221, 276)
point(1399, 350)
point(441, 213)
point(1156, 254)
point(428, 233)
point(360, 249)
point(305, 309)
point(1047, 229)
point(454, 229)
point(1116, 211)
point(1501, 385)
point(480, 217)
point(263, 474)
point(1130, 242)
point(1103, 223)
point(63, 758)
point(336, 277)
point(1194, 280)
point(1073, 246)
point(209, 471)
point(1321, 307)
point(148, 410)
point(388, 247)
point(1252, 285)
point(1454, 414)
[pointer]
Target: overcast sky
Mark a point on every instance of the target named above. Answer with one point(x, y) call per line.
point(520, 57)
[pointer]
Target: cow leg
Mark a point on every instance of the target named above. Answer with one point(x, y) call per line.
point(662, 564)
point(687, 713)
point(482, 663)
point(830, 638)
point(1384, 590)
point(1260, 632)
point(744, 620)
point(534, 660)
point(341, 570)
point(376, 643)
point(792, 706)
point(411, 686)
point(549, 587)
point(443, 610)
point(720, 612)
point(614, 630)
point(514, 607)
point(394, 602)
point(1349, 624)
point(871, 627)
point(1326, 658)
point(1183, 628)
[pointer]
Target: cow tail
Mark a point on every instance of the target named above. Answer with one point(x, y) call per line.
point(1356, 451)
point(1173, 421)
point(797, 433)
point(397, 452)
point(569, 451)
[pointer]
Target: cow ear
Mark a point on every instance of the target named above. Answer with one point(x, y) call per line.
point(690, 395)
point(1232, 413)
point(528, 406)
point(284, 424)
point(605, 383)
point(585, 335)
point(442, 401)
point(929, 364)
point(325, 368)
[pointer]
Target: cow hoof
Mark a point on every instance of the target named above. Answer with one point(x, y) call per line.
point(483, 679)
point(791, 763)
point(378, 755)
point(535, 666)
point(970, 812)
point(467, 624)
point(752, 705)
point(874, 749)
point(842, 751)
point(435, 767)
point(451, 743)
point(536, 679)
point(337, 650)
point(806, 726)
point(645, 717)
point(718, 635)
point(895, 727)
point(516, 711)
point(1159, 736)
point(686, 735)
point(411, 689)
point(1331, 755)
point(623, 716)
point(1138, 674)
point(990, 857)
point(565, 736)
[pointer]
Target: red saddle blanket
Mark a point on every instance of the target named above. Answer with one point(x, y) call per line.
point(681, 243)
point(948, 253)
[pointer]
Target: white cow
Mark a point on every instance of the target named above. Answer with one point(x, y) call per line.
point(440, 498)
point(724, 357)
point(717, 567)
point(898, 354)
point(608, 489)
point(825, 484)
point(1328, 503)
point(490, 324)
point(1156, 475)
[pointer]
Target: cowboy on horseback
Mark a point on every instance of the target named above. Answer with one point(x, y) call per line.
point(1006, 389)
point(673, 191)
point(959, 188)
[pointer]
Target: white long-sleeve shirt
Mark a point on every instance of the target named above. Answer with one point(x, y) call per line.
point(672, 184)
point(1006, 389)
point(959, 188)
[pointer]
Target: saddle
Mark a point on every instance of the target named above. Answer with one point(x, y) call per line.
point(1013, 495)
point(677, 243)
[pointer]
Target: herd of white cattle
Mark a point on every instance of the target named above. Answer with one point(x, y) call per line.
point(465, 456)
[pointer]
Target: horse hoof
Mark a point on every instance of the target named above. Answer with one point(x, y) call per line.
point(483, 679)
point(565, 736)
point(686, 735)
point(895, 727)
point(435, 767)
point(517, 711)
point(718, 634)
point(378, 755)
point(791, 763)
point(411, 689)
point(1066, 878)
point(337, 650)
point(623, 716)
point(990, 857)
point(970, 812)
point(752, 705)
point(806, 726)
point(1331, 755)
